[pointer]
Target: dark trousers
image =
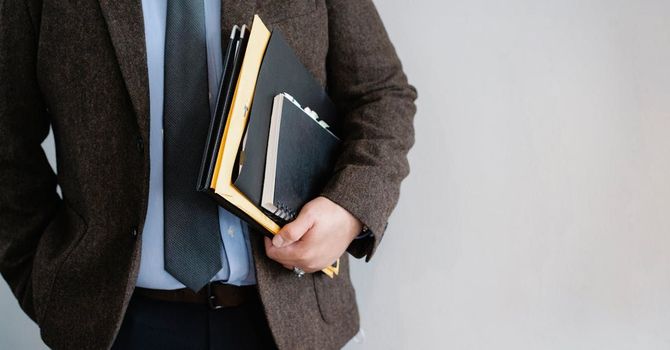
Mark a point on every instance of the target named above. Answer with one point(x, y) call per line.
point(156, 324)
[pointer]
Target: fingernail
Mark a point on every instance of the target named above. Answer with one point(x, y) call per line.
point(277, 241)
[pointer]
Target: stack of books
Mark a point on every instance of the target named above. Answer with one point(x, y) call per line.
point(272, 141)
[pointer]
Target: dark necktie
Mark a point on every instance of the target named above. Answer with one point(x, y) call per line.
point(193, 242)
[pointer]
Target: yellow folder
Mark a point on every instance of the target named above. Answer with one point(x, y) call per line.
point(235, 126)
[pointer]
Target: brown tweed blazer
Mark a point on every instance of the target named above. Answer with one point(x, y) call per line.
point(80, 66)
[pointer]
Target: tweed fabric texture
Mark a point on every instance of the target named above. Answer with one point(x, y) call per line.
point(80, 66)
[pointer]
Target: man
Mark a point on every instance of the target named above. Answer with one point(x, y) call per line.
point(113, 261)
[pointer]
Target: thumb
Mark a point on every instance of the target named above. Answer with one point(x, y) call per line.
point(292, 231)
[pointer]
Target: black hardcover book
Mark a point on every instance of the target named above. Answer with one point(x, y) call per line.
point(281, 71)
point(232, 60)
point(300, 156)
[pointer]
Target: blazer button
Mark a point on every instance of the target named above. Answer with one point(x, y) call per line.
point(140, 144)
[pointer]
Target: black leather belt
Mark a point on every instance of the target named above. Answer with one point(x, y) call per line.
point(217, 295)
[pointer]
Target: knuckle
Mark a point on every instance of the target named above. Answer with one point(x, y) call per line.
point(272, 253)
point(291, 234)
point(309, 214)
point(290, 256)
point(302, 262)
point(307, 207)
point(307, 258)
point(310, 256)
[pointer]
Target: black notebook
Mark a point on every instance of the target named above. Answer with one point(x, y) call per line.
point(300, 156)
point(281, 71)
point(232, 61)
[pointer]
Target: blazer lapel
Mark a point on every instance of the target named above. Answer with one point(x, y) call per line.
point(126, 28)
point(125, 23)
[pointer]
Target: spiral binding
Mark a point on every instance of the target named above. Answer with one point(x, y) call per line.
point(284, 212)
point(311, 113)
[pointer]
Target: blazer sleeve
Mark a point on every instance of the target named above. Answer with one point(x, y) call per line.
point(376, 104)
point(28, 197)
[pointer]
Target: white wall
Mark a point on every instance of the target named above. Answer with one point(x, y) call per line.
point(536, 215)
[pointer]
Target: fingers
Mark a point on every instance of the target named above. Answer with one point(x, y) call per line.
point(297, 254)
point(313, 240)
point(288, 255)
point(293, 231)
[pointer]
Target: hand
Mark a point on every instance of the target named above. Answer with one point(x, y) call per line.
point(317, 237)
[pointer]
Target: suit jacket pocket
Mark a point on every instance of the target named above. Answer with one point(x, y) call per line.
point(60, 237)
point(335, 296)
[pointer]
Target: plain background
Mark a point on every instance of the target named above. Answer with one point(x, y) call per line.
point(536, 215)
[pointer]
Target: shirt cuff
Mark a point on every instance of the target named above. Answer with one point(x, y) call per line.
point(365, 233)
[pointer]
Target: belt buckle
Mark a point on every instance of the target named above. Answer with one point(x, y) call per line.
point(211, 298)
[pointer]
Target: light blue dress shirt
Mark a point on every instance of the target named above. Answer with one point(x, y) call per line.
point(234, 232)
